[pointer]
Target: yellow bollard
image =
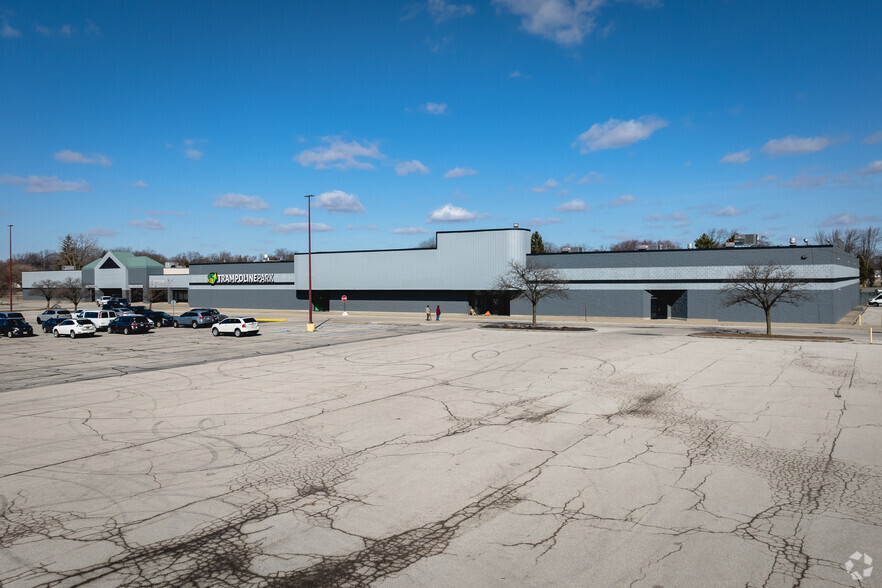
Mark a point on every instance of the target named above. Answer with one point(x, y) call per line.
point(859, 319)
point(310, 327)
point(871, 335)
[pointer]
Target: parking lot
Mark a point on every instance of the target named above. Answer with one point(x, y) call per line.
point(436, 454)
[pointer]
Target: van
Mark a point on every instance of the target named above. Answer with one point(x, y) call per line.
point(101, 318)
point(876, 300)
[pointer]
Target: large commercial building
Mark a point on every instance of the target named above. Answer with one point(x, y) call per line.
point(460, 271)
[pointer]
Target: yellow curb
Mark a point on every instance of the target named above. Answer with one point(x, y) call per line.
point(272, 320)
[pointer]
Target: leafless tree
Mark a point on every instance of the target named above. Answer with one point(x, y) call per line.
point(47, 289)
point(427, 243)
point(157, 294)
point(532, 281)
point(633, 244)
point(78, 250)
point(764, 286)
point(73, 291)
point(848, 239)
point(283, 254)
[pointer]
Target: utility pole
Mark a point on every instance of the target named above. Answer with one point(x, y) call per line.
point(310, 326)
point(10, 268)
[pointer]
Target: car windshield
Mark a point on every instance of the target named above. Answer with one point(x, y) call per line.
point(249, 320)
point(84, 322)
point(15, 321)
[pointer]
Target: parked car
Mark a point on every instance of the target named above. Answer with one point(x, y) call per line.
point(74, 327)
point(53, 313)
point(17, 315)
point(142, 310)
point(161, 319)
point(49, 324)
point(876, 300)
point(128, 324)
point(102, 300)
point(101, 318)
point(216, 316)
point(15, 327)
point(122, 311)
point(237, 325)
point(193, 318)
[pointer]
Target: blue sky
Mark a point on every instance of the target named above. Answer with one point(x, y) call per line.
point(201, 125)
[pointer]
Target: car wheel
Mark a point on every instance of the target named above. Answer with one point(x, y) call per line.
point(237, 333)
point(215, 332)
point(194, 324)
point(126, 331)
point(9, 334)
point(175, 324)
point(73, 335)
point(55, 332)
point(39, 321)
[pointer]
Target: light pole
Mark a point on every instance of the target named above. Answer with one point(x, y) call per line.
point(310, 326)
point(10, 267)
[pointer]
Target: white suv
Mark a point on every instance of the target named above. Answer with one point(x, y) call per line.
point(101, 318)
point(236, 325)
point(102, 300)
point(59, 313)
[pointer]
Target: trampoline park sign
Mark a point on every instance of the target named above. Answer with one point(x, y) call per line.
point(215, 278)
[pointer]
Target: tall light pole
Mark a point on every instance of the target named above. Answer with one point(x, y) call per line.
point(310, 326)
point(10, 267)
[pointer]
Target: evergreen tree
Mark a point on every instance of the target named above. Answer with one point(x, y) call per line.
point(706, 242)
point(536, 244)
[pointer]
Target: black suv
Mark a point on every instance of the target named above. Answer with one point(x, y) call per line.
point(129, 324)
point(15, 327)
point(162, 319)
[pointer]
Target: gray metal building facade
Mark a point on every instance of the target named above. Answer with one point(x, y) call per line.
point(459, 273)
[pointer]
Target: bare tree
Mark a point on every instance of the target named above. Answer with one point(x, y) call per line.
point(283, 254)
point(158, 294)
point(532, 281)
point(73, 291)
point(764, 286)
point(78, 250)
point(634, 244)
point(848, 240)
point(47, 289)
point(427, 243)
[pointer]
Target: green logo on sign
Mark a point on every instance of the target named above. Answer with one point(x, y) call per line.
point(212, 278)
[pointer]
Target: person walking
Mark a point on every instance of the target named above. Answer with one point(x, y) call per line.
point(428, 312)
point(438, 313)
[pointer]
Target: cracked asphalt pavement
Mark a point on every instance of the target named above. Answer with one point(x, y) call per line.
point(401, 455)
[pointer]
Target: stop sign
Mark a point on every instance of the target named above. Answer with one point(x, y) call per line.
point(344, 298)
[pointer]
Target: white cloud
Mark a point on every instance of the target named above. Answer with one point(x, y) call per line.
point(674, 216)
point(435, 107)
point(150, 223)
point(549, 184)
point(68, 156)
point(592, 178)
point(459, 172)
point(515, 74)
point(451, 214)
point(807, 182)
point(240, 202)
point(440, 10)
point(615, 134)
point(337, 201)
point(752, 183)
point(139, 184)
point(193, 154)
point(623, 200)
point(728, 211)
point(294, 211)
point(409, 231)
point(251, 221)
point(8, 32)
point(410, 167)
point(162, 212)
point(539, 222)
point(566, 22)
point(738, 157)
point(792, 145)
point(875, 167)
point(301, 228)
point(340, 155)
point(572, 206)
point(874, 138)
point(361, 227)
point(846, 219)
point(99, 232)
point(45, 184)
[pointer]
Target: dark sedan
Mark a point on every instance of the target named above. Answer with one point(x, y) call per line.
point(129, 324)
point(15, 327)
point(50, 324)
point(161, 319)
